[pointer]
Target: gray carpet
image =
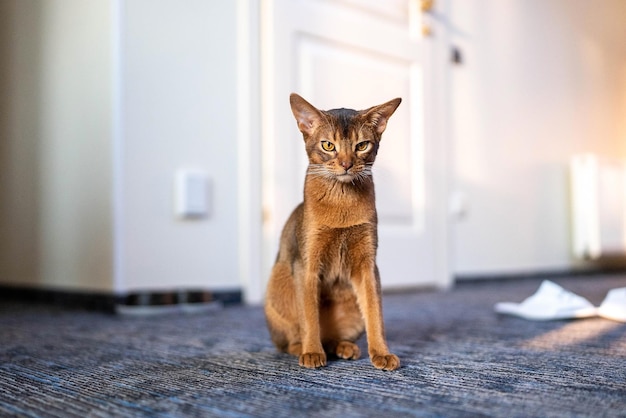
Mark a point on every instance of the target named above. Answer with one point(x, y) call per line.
point(458, 359)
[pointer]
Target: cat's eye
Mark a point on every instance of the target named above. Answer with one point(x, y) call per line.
point(328, 146)
point(362, 146)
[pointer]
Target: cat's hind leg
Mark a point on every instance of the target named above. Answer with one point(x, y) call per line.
point(347, 350)
point(281, 312)
point(342, 325)
point(283, 334)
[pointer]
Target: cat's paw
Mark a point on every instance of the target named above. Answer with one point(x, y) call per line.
point(386, 362)
point(312, 360)
point(348, 350)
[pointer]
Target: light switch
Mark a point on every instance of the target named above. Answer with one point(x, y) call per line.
point(193, 191)
point(459, 206)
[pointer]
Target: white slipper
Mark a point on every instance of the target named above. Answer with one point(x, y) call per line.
point(614, 305)
point(550, 302)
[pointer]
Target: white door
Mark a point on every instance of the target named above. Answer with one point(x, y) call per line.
point(354, 54)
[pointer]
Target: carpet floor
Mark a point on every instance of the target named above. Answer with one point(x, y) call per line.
point(458, 357)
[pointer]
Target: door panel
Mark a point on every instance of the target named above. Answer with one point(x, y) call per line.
point(347, 54)
point(338, 75)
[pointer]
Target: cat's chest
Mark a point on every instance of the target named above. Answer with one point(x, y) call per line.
point(334, 216)
point(332, 209)
point(341, 249)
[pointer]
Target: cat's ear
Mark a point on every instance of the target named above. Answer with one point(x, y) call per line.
point(307, 116)
point(378, 115)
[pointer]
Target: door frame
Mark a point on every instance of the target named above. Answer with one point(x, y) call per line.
point(253, 258)
point(249, 161)
point(437, 49)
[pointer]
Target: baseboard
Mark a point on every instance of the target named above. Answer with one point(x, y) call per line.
point(139, 303)
point(540, 274)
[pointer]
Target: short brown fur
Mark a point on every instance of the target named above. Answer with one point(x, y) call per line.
point(324, 289)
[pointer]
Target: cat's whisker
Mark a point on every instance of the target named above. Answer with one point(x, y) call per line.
point(362, 174)
point(317, 170)
point(321, 171)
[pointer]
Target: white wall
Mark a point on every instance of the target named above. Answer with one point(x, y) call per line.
point(56, 150)
point(19, 141)
point(540, 81)
point(104, 101)
point(179, 111)
point(100, 107)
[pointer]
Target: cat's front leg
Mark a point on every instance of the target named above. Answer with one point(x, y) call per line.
point(367, 285)
point(313, 354)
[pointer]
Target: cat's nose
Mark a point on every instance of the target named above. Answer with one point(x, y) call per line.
point(346, 165)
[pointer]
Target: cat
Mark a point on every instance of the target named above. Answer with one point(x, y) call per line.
point(324, 288)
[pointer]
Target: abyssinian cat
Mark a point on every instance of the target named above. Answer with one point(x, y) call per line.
point(324, 289)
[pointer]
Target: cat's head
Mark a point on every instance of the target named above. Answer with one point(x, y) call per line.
point(341, 143)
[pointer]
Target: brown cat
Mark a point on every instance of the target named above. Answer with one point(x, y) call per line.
point(324, 290)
